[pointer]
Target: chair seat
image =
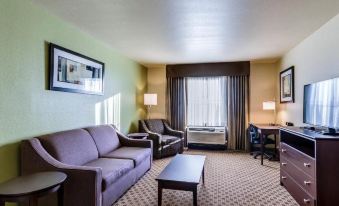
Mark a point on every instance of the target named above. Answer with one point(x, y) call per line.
point(137, 154)
point(112, 169)
point(167, 139)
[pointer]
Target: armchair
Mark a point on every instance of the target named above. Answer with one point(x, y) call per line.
point(166, 141)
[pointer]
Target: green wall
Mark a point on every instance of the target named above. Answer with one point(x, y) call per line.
point(27, 107)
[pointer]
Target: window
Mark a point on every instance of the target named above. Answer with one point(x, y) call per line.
point(206, 101)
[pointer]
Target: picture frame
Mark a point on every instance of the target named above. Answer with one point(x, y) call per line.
point(74, 72)
point(287, 85)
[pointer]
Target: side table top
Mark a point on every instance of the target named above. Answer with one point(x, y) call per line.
point(137, 135)
point(29, 184)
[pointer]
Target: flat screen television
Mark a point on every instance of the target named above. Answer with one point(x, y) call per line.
point(321, 104)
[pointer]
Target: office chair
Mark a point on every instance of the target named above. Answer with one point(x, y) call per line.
point(255, 144)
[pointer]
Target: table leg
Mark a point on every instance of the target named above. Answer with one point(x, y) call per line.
point(61, 195)
point(33, 201)
point(275, 146)
point(195, 197)
point(203, 175)
point(159, 194)
point(262, 148)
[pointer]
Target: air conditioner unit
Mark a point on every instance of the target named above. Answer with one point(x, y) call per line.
point(206, 135)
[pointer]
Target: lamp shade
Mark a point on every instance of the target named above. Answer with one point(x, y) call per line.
point(150, 99)
point(268, 105)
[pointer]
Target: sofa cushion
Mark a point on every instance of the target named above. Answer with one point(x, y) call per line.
point(112, 169)
point(74, 147)
point(137, 154)
point(105, 138)
point(155, 125)
point(167, 139)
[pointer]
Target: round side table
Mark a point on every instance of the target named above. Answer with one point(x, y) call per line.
point(138, 135)
point(31, 187)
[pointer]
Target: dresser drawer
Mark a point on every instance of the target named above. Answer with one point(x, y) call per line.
point(297, 192)
point(303, 180)
point(299, 159)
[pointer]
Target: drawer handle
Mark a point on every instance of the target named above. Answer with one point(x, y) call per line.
point(307, 164)
point(306, 201)
point(283, 163)
point(307, 182)
point(283, 177)
point(283, 150)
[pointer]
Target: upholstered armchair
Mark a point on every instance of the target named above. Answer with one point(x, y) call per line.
point(166, 141)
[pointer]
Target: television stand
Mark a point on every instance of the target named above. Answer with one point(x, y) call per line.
point(309, 166)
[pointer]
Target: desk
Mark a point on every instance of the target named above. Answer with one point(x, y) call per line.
point(264, 130)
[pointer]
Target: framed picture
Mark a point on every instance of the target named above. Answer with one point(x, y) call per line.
point(74, 72)
point(287, 85)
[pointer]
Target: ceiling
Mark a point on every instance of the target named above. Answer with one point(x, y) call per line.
point(193, 31)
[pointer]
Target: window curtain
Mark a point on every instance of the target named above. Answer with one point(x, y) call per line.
point(237, 115)
point(206, 101)
point(176, 102)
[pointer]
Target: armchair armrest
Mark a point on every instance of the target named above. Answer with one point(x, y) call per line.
point(173, 132)
point(83, 184)
point(156, 138)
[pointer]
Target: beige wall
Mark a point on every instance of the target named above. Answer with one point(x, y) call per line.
point(262, 88)
point(263, 81)
point(315, 59)
point(156, 80)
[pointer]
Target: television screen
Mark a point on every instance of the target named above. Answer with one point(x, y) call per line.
point(321, 103)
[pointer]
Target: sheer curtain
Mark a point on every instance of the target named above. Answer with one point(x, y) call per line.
point(206, 101)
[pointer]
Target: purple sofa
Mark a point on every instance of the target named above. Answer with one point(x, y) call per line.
point(100, 162)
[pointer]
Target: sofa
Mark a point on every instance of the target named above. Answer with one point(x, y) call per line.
point(166, 141)
point(100, 162)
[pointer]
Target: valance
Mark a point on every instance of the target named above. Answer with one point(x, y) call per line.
point(209, 69)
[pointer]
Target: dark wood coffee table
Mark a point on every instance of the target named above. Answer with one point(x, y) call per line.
point(31, 187)
point(182, 173)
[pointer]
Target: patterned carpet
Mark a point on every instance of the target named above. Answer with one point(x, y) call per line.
point(230, 179)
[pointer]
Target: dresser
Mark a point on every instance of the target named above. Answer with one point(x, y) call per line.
point(309, 166)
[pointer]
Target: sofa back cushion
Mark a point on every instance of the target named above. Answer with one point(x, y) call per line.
point(105, 138)
point(74, 147)
point(155, 125)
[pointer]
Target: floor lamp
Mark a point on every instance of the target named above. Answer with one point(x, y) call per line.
point(150, 100)
point(270, 105)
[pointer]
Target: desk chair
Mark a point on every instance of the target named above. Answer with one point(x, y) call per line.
point(255, 144)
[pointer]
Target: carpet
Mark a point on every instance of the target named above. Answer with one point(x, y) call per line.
point(231, 178)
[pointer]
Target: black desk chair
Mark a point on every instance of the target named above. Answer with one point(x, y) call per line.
point(255, 144)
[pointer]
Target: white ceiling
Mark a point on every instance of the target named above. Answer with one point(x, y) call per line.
point(191, 31)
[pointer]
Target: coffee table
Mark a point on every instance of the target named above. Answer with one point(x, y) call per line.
point(182, 173)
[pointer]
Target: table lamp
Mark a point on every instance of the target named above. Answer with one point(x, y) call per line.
point(270, 105)
point(150, 100)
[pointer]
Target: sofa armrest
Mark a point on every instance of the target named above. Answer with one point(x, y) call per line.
point(83, 184)
point(170, 131)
